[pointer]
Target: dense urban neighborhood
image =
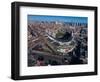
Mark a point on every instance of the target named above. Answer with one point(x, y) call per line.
point(57, 43)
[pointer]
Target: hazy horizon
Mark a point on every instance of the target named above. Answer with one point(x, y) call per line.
point(58, 18)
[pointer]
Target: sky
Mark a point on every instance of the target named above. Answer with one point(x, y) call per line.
point(58, 18)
